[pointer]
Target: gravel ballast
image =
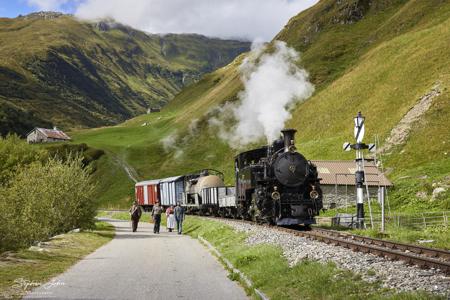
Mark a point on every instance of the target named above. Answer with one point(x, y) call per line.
point(392, 274)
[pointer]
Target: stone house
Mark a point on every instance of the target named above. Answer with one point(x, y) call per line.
point(338, 182)
point(153, 110)
point(43, 135)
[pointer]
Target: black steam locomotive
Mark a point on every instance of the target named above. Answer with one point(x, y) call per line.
point(275, 184)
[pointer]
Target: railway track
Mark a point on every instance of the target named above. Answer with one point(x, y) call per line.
point(415, 255)
point(423, 257)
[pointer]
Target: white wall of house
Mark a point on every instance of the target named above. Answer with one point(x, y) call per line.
point(342, 196)
point(36, 137)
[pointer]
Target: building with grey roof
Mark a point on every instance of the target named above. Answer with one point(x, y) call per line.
point(338, 182)
point(43, 135)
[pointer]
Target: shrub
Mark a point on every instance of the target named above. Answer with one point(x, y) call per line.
point(44, 199)
point(15, 153)
point(63, 151)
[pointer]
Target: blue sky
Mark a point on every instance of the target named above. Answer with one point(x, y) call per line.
point(13, 8)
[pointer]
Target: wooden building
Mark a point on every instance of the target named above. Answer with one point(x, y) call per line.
point(43, 135)
point(338, 182)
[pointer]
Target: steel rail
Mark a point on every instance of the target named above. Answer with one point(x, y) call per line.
point(411, 254)
point(416, 249)
point(394, 253)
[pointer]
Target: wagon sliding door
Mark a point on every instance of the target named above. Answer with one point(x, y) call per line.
point(152, 191)
point(140, 195)
point(164, 193)
point(179, 191)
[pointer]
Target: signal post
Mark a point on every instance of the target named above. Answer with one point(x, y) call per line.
point(359, 146)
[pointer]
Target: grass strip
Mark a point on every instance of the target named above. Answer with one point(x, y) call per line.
point(242, 278)
point(124, 215)
point(24, 270)
point(269, 271)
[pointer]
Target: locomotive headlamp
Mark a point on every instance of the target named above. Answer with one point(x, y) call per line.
point(276, 195)
point(314, 194)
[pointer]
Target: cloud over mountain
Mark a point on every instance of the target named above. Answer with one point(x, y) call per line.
point(246, 19)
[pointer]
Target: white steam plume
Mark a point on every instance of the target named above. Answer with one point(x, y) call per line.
point(273, 85)
point(169, 144)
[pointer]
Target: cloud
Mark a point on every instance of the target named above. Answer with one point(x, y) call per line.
point(273, 84)
point(246, 19)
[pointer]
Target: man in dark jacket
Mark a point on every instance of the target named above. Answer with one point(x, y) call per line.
point(135, 213)
point(156, 214)
point(179, 217)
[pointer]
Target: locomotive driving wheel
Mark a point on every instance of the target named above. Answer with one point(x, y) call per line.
point(264, 205)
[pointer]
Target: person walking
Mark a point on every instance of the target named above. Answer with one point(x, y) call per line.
point(170, 218)
point(135, 213)
point(179, 217)
point(156, 214)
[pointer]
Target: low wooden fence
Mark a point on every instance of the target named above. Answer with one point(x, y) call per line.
point(414, 221)
point(410, 221)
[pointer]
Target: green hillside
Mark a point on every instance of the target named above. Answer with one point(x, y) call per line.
point(380, 58)
point(57, 69)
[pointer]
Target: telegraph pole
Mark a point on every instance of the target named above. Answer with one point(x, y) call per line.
point(359, 146)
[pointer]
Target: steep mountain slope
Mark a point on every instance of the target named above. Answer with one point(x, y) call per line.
point(378, 57)
point(74, 73)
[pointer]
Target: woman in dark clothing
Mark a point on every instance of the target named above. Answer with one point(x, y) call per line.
point(135, 213)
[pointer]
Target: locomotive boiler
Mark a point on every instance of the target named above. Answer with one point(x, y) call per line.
point(275, 184)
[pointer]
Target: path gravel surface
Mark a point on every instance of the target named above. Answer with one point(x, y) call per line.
point(142, 265)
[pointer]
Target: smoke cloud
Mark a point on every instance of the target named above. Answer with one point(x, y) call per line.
point(273, 85)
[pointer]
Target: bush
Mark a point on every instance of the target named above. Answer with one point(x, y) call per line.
point(63, 151)
point(15, 153)
point(44, 199)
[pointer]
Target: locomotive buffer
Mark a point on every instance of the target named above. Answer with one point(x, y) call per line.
point(359, 146)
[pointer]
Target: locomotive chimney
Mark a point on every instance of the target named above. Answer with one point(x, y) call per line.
point(289, 139)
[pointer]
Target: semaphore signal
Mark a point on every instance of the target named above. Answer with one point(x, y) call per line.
point(359, 146)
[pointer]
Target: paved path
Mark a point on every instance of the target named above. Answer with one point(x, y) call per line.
point(142, 265)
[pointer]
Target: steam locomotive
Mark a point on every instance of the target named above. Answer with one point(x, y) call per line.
point(275, 185)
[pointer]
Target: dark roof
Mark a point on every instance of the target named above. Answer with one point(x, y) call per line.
point(342, 172)
point(54, 133)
